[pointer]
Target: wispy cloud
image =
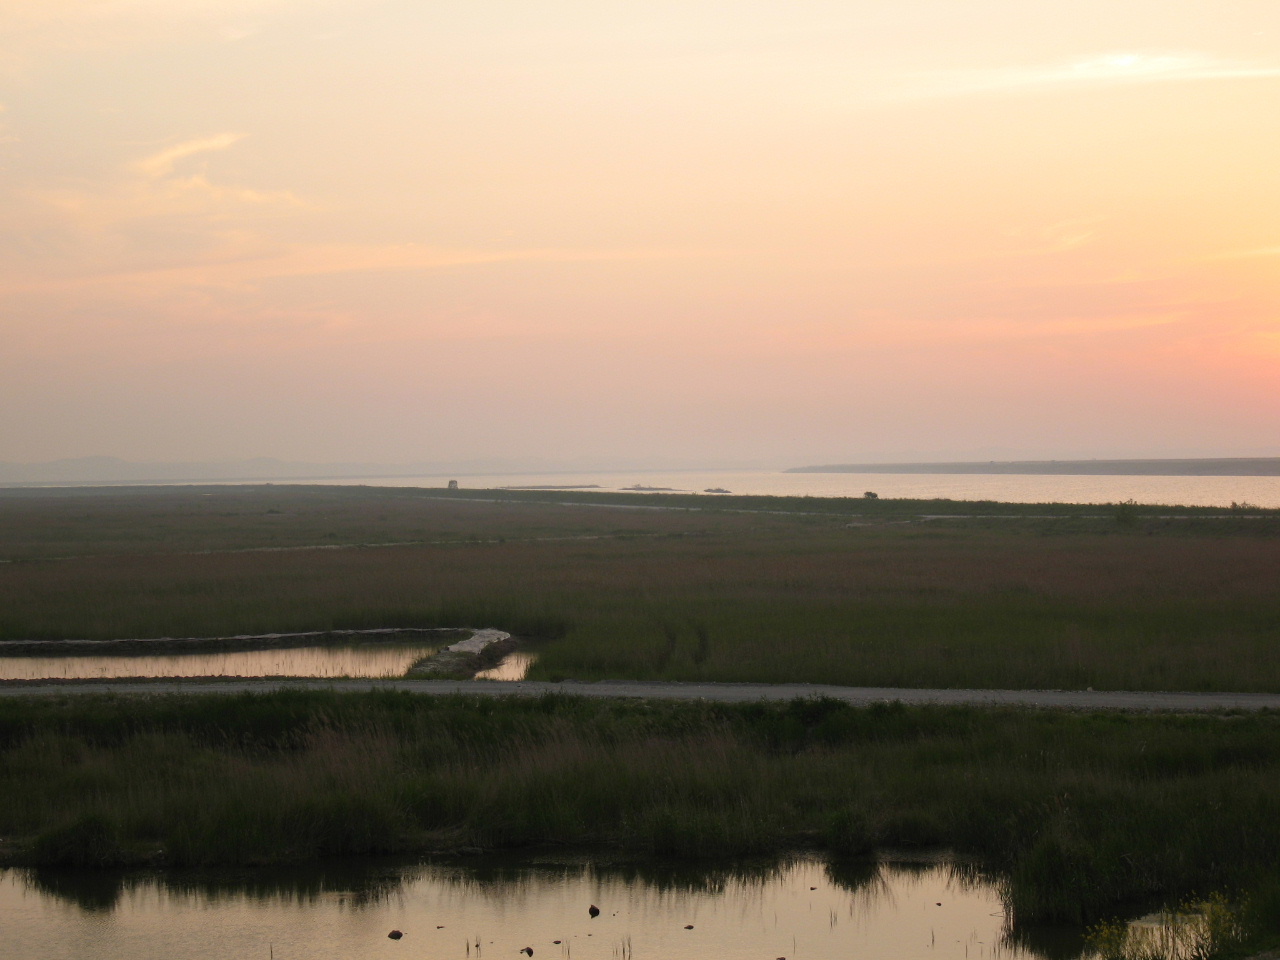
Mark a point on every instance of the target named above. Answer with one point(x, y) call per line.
point(160, 182)
point(161, 164)
point(1102, 70)
point(162, 208)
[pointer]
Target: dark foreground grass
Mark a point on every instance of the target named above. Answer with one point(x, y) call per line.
point(1078, 813)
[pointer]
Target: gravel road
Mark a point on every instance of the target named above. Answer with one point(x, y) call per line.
point(661, 690)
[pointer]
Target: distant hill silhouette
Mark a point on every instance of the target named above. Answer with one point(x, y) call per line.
point(1216, 467)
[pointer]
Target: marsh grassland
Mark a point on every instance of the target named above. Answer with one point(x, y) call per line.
point(1078, 814)
point(1154, 599)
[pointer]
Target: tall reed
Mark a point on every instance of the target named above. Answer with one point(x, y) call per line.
point(1077, 812)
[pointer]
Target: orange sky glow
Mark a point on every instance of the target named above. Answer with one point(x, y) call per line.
point(747, 232)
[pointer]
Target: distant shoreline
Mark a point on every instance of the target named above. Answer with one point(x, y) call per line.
point(1219, 467)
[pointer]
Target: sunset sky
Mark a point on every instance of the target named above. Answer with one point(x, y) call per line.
point(693, 232)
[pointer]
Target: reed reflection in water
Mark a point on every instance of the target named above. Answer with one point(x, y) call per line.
point(801, 910)
point(365, 660)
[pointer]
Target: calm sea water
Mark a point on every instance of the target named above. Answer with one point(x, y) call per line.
point(1169, 491)
point(806, 911)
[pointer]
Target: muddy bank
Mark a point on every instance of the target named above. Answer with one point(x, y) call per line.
point(483, 650)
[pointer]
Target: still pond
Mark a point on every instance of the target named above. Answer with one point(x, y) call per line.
point(374, 660)
point(806, 910)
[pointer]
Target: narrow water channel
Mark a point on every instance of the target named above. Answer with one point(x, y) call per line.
point(513, 667)
point(356, 660)
point(804, 911)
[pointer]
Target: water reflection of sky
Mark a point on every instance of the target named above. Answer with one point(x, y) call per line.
point(1005, 488)
point(367, 660)
point(513, 666)
point(798, 911)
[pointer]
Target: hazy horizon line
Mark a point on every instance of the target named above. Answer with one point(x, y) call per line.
point(109, 469)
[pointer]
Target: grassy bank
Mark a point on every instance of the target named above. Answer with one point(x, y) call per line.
point(1078, 813)
point(1139, 598)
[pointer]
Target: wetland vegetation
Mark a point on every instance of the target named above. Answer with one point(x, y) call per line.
point(742, 589)
point(1076, 814)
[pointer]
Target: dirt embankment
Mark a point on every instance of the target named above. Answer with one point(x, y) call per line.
point(464, 659)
